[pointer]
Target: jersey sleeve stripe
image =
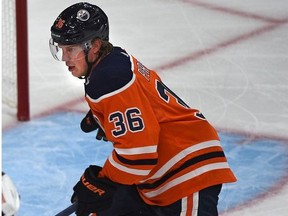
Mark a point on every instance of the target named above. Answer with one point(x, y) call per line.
point(112, 93)
point(136, 162)
point(126, 169)
point(181, 155)
point(188, 176)
point(135, 151)
point(188, 163)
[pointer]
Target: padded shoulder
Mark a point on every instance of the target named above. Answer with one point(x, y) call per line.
point(111, 74)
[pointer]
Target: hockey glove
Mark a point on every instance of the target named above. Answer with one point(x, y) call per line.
point(93, 194)
point(89, 124)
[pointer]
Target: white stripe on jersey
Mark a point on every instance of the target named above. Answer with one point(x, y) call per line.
point(195, 206)
point(126, 169)
point(184, 206)
point(181, 155)
point(186, 177)
point(134, 151)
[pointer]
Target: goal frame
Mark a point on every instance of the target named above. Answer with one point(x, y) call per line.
point(23, 108)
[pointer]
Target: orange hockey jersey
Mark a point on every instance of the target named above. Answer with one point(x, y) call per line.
point(163, 146)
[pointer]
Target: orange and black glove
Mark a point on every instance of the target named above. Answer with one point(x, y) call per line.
point(93, 194)
point(89, 124)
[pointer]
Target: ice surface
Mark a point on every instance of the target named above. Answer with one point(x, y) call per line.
point(47, 156)
point(227, 58)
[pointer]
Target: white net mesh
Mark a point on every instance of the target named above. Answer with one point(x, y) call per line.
point(9, 75)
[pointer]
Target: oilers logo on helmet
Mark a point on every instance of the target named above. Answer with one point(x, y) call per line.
point(83, 15)
point(80, 23)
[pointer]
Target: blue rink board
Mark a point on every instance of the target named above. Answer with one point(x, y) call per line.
point(45, 158)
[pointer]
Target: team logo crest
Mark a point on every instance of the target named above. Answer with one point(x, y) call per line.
point(60, 23)
point(83, 15)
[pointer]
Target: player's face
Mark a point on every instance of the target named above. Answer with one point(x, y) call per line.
point(73, 55)
point(74, 58)
point(77, 62)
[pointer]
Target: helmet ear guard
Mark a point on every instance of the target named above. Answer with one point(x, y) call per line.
point(79, 23)
point(54, 49)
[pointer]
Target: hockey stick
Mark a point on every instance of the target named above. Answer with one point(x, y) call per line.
point(68, 211)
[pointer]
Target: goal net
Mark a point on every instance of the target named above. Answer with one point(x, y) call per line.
point(15, 79)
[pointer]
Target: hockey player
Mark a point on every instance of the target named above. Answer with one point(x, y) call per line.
point(167, 159)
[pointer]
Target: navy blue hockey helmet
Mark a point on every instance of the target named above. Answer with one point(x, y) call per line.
point(79, 23)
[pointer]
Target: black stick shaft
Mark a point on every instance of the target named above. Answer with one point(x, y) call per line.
point(68, 211)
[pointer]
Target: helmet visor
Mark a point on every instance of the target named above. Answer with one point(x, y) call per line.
point(69, 52)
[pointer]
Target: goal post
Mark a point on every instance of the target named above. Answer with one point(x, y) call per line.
point(23, 111)
point(15, 70)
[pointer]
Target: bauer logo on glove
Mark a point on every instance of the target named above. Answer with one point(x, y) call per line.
point(91, 186)
point(92, 193)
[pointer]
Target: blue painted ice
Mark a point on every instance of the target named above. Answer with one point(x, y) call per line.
point(45, 158)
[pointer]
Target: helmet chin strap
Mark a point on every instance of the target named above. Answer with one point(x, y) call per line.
point(90, 64)
point(101, 54)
